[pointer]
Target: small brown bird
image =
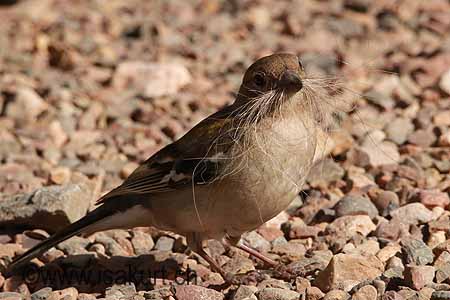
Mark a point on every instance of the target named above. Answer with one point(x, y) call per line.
point(235, 170)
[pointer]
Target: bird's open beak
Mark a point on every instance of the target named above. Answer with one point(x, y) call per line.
point(290, 81)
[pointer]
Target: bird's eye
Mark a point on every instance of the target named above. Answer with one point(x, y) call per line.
point(300, 64)
point(259, 80)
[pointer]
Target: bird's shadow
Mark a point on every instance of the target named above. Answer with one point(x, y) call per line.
point(91, 274)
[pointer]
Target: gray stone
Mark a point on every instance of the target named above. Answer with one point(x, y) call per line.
point(244, 291)
point(256, 241)
point(355, 205)
point(42, 294)
point(399, 129)
point(48, 208)
point(122, 291)
point(279, 294)
point(164, 243)
point(417, 252)
point(11, 296)
point(74, 246)
point(142, 242)
point(413, 213)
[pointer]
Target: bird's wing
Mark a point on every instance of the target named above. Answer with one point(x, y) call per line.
point(196, 158)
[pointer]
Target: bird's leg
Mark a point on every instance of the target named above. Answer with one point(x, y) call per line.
point(196, 244)
point(281, 269)
point(236, 242)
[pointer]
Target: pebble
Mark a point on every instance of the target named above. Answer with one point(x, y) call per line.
point(256, 241)
point(384, 153)
point(120, 291)
point(48, 208)
point(239, 265)
point(164, 243)
point(151, 79)
point(444, 82)
point(413, 213)
point(345, 271)
point(392, 295)
point(442, 265)
point(142, 242)
point(277, 294)
point(418, 277)
point(386, 201)
point(42, 294)
point(189, 292)
point(244, 291)
point(417, 252)
point(336, 295)
point(314, 293)
point(11, 296)
point(355, 205)
point(399, 129)
point(433, 198)
point(70, 293)
point(367, 292)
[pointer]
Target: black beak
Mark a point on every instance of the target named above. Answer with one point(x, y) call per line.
point(291, 81)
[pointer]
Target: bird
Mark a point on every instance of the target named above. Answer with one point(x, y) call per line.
point(232, 172)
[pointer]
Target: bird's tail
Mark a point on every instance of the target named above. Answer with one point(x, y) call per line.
point(80, 226)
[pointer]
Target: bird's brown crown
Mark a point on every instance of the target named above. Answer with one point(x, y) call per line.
point(281, 71)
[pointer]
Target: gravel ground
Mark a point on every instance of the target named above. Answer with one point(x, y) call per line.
point(88, 89)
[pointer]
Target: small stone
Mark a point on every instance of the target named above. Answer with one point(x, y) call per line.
point(164, 243)
point(442, 265)
point(385, 153)
point(417, 252)
point(84, 296)
point(433, 198)
point(244, 291)
point(279, 294)
point(112, 247)
point(48, 208)
point(440, 295)
point(418, 277)
point(301, 284)
point(303, 231)
point(399, 129)
point(392, 295)
point(355, 205)
point(444, 82)
point(189, 292)
point(436, 238)
point(311, 264)
point(11, 296)
point(151, 79)
point(386, 201)
point(74, 246)
point(270, 233)
point(388, 252)
point(367, 292)
point(442, 118)
point(121, 291)
point(293, 249)
point(345, 271)
point(256, 241)
point(27, 105)
point(239, 265)
point(274, 283)
point(314, 293)
point(351, 225)
point(336, 295)
point(422, 138)
point(413, 213)
point(60, 175)
point(70, 293)
point(142, 242)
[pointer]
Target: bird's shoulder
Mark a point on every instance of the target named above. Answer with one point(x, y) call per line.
point(195, 158)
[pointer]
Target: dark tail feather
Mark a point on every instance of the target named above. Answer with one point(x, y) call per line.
point(71, 230)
